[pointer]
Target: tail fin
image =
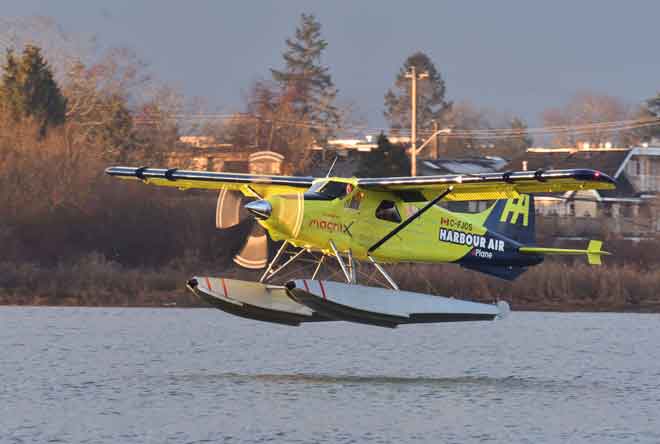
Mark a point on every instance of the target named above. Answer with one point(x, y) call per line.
point(513, 218)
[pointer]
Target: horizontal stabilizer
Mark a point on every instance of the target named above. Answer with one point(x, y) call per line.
point(593, 251)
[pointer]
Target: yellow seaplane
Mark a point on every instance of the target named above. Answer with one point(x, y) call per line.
point(376, 221)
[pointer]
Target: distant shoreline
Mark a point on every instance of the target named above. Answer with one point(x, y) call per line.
point(551, 287)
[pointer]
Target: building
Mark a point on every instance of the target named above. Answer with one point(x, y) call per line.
point(345, 145)
point(202, 142)
point(630, 210)
point(265, 162)
point(203, 153)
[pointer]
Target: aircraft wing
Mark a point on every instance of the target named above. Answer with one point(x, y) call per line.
point(491, 186)
point(183, 179)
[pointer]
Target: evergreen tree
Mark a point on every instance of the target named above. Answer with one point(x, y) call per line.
point(388, 160)
point(653, 108)
point(648, 111)
point(653, 105)
point(305, 80)
point(431, 103)
point(29, 90)
point(10, 102)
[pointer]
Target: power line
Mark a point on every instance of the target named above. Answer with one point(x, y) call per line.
point(488, 133)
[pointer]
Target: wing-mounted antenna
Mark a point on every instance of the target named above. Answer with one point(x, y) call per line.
point(332, 166)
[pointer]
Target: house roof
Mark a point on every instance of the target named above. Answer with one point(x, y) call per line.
point(607, 161)
point(624, 189)
point(463, 165)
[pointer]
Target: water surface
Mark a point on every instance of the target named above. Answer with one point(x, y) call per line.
point(112, 375)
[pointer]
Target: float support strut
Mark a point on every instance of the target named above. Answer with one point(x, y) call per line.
point(318, 267)
point(340, 260)
point(270, 266)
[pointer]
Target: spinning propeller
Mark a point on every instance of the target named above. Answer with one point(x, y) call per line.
point(228, 214)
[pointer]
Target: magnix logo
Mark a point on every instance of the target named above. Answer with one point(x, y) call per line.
point(332, 226)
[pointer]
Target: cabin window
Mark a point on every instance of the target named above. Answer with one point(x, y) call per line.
point(387, 211)
point(354, 202)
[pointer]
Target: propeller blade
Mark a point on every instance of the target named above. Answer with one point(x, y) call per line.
point(254, 254)
point(227, 211)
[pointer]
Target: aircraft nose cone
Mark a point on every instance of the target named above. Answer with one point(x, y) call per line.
point(261, 209)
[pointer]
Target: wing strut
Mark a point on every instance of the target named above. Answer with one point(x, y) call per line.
point(408, 221)
point(384, 273)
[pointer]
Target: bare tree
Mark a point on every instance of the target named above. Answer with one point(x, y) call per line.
point(61, 48)
point(467, 116)
point(586, 108)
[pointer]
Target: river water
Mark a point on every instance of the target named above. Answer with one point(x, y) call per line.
point(114, 375)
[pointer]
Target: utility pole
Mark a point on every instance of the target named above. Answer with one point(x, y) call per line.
point(412, 75)
point(435, 154)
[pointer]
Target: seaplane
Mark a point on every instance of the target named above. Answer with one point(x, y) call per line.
point(373, 222)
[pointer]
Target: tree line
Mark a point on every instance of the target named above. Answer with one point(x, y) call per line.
point(296, 107)
point(67, 227)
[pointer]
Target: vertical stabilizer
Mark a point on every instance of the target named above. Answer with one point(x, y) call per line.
point(513, 218)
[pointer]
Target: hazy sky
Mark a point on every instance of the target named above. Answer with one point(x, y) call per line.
point(515, 56)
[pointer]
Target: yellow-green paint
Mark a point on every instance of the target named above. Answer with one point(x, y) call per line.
point(356, 227)
point(516, 208)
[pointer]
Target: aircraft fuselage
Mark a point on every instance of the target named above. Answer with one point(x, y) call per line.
point(359, 219)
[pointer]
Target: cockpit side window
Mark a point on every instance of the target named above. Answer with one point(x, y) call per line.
point(329, 190)
point(387, 211)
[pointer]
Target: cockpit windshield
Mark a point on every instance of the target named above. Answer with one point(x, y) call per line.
point(328, 190)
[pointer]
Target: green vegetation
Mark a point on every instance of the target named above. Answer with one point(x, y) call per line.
point(389, 160)
point(557, 286)
point(305, 78)
point(431, 102)
point(29, 90)
point(294, 110)
point(651, 109)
